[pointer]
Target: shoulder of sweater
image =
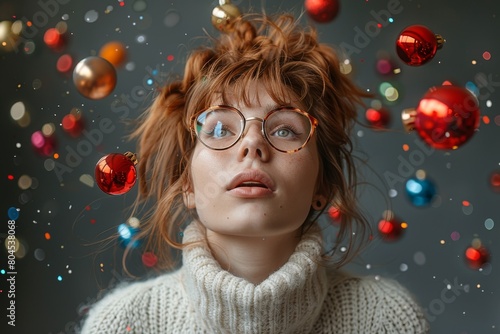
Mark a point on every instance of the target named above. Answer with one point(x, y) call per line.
point(374, 285)
point(378, 297)
point(115, 305)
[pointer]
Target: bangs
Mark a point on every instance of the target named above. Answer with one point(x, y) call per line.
point(228, 81)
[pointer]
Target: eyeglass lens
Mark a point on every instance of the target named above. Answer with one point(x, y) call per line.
point(285, 129)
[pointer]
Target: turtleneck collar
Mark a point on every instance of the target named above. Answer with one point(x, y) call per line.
point(288, 301)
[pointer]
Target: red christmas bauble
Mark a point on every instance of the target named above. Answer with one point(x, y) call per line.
point(390, 228)
point(378, 118)
point(417, 44)
point(115, 173)
point(322, 11)
point(446, 117)
point(476, 257)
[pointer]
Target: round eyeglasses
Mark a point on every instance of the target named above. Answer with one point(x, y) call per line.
point(286, 129)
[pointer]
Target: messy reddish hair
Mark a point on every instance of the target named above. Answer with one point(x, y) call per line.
point(288, 60)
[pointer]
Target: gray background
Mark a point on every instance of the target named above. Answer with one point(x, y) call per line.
point(77, 216)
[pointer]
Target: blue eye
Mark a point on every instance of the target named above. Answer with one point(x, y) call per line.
point(220, 130)
point(284, 132)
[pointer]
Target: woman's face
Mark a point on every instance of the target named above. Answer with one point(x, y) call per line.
point(251, 189)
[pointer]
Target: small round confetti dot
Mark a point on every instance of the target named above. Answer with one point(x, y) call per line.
point(171, 19)
point(39, 254)
point(64, 63)
point(495, 181)
point(24, 182)
point(149, 259)
point(134, 222)
point(36, 84)
point(13, 213)
point(91, 16)
point(393, 193)
point(140, 6)
point(489, 224)
point(455, 236)
point(29, 47)
point(59, 278)
point(17, 111)
point(49, 164)
point(486, 55)
point(419, 258)
point(403, 267)
point(467, 208)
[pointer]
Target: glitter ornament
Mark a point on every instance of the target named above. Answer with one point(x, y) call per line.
point(446, 117)
point(476, 256)
point(114, 52)
point(378, 118)
point(322, 11)
point(224, 15)
point(389, 227)
point(94, 77)
point(115, 173)
point(420, 191)
point(417, 44)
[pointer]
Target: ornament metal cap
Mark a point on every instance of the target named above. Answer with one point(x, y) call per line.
point(132, 157)
point(440, 41)
point(408, 118)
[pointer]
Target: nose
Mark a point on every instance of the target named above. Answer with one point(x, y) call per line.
point(253, 145)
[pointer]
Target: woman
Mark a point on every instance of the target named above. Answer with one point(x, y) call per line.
point(247, 150)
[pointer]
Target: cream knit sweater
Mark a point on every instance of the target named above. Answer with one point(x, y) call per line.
point(301, 297)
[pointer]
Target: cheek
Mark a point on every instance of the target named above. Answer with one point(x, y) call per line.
point(306, 171)
point(208, 175)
